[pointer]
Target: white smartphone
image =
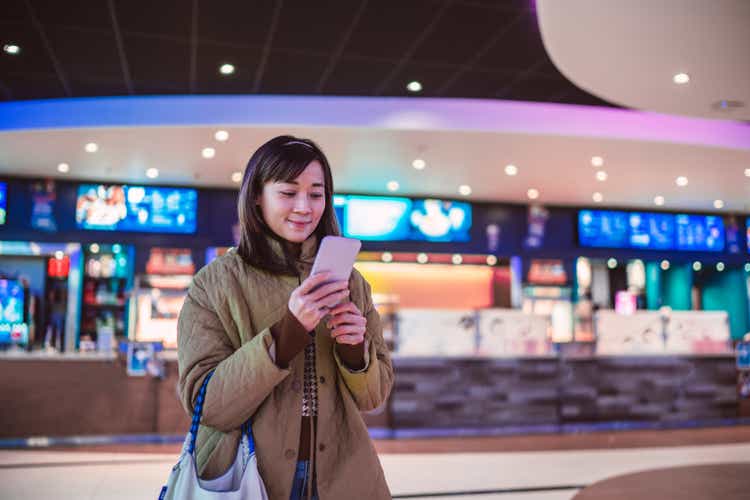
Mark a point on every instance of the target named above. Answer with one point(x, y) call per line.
point(336, 255)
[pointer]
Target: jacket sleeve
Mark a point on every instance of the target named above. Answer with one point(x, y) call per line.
point(243, 376)
point(370, 387)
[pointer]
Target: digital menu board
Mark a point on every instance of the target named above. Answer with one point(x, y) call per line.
point(3, 202)
point(13, 329)
point(397, 218)
point(747, 230)
point(136, 208)
point(700, 233)
point(653, 231)
point(600, 228)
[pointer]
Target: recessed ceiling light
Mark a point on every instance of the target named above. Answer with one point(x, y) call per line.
point(681, 181)
point(94, 248)
point(720, 266)
point(457, 259)
point(237, 177)
point(208, 153)
point(59, 255)
point(11, 48)
point(697, 266)
point(386, 257)
point(601, 176)
point(393, 186)
point(664, 265)
point(597, 197)
point(747, 268)
point(511, 170)
point(491, 260)
point(414, 86)
point(419, 164)
point(532, 193)
point(152, 173)
point(464, 190)
point(63, 168)
point(91, 147)
point(658, 200)
point(221, 135)
point(718, 204)
point(612, 263)
point(597, 161)
point(747, 172)
point(226, 69)
point(422, 258)
point(681, 78)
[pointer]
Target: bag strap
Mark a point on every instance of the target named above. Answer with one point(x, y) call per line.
point(247, 428)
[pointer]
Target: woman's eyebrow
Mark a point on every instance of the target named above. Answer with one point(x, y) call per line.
point(315, 184)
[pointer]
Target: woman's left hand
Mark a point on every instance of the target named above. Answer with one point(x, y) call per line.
point(347, 324)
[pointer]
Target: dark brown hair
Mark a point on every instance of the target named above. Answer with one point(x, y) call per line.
point(282, 159)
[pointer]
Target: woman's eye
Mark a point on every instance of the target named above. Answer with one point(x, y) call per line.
point(316, 195)
point(287, 193)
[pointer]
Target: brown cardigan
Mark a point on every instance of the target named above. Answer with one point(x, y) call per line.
point(225, 325)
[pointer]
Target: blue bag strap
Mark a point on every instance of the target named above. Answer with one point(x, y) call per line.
point(198, 412)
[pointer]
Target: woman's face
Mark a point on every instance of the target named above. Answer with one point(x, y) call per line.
point(293, 209)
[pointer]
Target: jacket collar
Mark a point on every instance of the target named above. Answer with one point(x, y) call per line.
point(307, 253)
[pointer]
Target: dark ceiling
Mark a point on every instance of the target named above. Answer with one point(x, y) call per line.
point(455, 48)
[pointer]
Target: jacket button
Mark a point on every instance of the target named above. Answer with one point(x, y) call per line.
point(289, 454)
point(322, 379)
point(322, 447)
point(296, 386)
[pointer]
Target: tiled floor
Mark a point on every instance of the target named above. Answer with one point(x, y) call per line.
point(97, 475)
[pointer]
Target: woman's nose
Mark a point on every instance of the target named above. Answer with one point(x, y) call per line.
point(301, 204)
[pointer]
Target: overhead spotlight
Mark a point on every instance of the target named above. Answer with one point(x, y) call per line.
point(511, 170)
point(658, 200)
point(63, 168)
point(414, 86)
point(681, 78)
point(419, 164)
point(747, 172)
point(152, 173)
point(422, 258)
point(91, 147)
point(597, 161)
point(681, 181)
point(386, 257)
point(221, 135)
point(457, 259)
point(94, 248)
point(664, 265)
point(208, 153)
point(747, 268)
point(11, 48)
point(532, 193)
point(59, 255)
point(491, 260)
point(720, 266)
point(612, 263)
point(392, 186)
point(236, 177)
point(597, 197)
point(718, 204)
point(226, 69)
point(601, 176)
point(464, 190)
point(697, 266)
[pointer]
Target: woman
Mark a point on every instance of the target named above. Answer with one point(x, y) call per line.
point(300, 359)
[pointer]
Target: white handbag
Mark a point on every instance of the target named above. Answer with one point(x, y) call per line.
point(241, 482)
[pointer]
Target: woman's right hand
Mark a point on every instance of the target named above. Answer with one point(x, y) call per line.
point(312, 300)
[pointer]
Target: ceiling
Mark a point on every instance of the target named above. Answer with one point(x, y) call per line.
point(455, 48)
point(628, 52)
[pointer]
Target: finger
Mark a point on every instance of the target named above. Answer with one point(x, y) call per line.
point(350, 339)
point(327, 289)
point(347, 330)
point(346, 307)
point(313, 281)
point(346, 319)
point(331, 300)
